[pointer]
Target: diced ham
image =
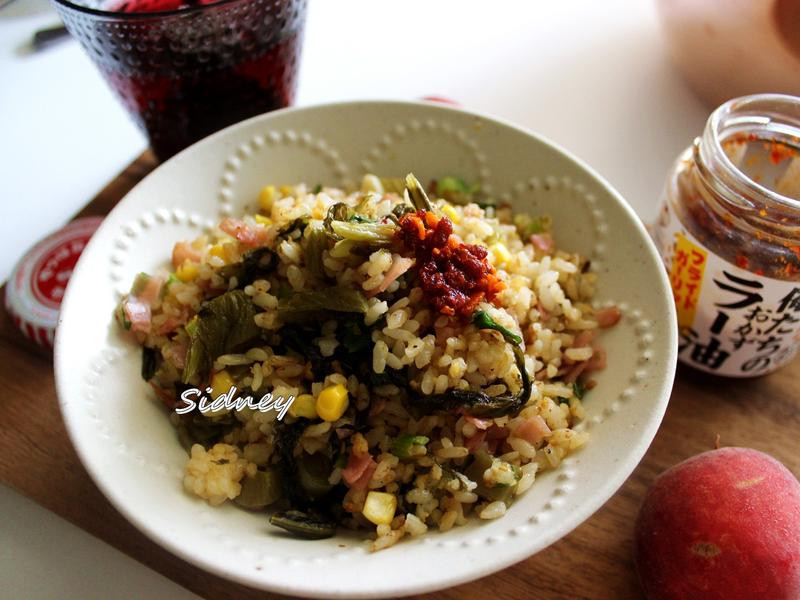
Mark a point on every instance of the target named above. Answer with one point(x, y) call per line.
point(169, 325)
point(542, 241)
point(183, 251)
point(584, 338)
point(479, 423)
point(572, 370)
point(473, 442)
point(249, 235)
point(358, 465)
point(400, 264)
point(532, 430)
point(596, 363)
point(176, 352)
point(608, 317)
point(137, 308)
point(575, 371)
point(138, 313)
point(598, 360)
point(151, 291)
point(362, 483)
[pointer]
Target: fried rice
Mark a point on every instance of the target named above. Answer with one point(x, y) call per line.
point(417, 402)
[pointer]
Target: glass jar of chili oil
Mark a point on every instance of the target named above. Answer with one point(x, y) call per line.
point(729, 233)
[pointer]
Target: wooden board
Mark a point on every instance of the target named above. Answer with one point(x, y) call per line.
point(594, 561)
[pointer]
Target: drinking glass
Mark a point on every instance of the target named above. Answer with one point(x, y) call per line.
point(186, 69)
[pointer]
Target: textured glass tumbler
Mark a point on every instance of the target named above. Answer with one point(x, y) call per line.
point(187, 72)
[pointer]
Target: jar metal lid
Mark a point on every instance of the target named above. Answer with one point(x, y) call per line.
point(38, 281)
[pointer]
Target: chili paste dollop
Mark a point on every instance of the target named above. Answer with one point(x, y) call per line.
point(455, 277)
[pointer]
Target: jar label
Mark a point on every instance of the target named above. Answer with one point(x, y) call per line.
point(732, 322)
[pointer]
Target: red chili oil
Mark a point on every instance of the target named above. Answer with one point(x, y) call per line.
point(727, 203)
point(454, 277)
point(729, 233)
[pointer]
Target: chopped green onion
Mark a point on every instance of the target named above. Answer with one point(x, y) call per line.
point(357, 218)
point(482, 320)
point(451, 184)
point(191, 326)
point(122, 319)
point(456, 190)
point(401, 447)
point(527, 225)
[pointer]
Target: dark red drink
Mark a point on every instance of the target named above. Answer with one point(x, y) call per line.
point(187, 69)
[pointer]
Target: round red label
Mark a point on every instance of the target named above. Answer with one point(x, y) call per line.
point(39, 280)
point(53, 270)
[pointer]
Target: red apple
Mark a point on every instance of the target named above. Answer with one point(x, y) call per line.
point(723, 524)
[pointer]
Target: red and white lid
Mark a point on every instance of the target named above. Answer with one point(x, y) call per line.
point(36, 286)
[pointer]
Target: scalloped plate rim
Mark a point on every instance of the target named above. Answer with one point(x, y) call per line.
point(510, 555)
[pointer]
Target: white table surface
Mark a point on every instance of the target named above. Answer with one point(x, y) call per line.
point(592, 76)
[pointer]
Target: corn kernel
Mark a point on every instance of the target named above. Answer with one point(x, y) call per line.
point(500, 252)
point(221, 383)
point(451, 213)
point(285, 190)
point(217, 250)
point(266, 197)
point(304, 406)
point(379, 507)
point(187, 271)
point(332, 402)
point(262, 220)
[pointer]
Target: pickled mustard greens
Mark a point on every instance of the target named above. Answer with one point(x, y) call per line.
point(417, 194)
point(303, 525)
point(261, 490)
point(336, 299)
point(222, 325)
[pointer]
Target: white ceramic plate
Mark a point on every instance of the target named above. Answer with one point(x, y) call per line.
point(131, 451)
